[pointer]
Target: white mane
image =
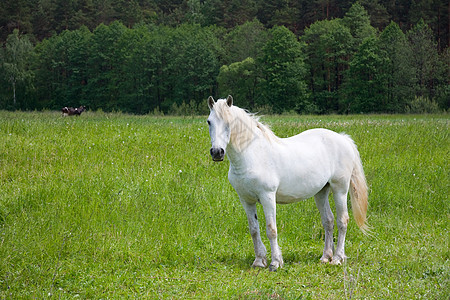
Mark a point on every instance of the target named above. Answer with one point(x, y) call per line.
point(243, 125)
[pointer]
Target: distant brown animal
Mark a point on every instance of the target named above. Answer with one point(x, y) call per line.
point(70, 111)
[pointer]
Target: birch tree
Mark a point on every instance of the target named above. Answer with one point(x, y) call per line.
point(16, 61)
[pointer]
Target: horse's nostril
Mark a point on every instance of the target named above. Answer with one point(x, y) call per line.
point(217, 153)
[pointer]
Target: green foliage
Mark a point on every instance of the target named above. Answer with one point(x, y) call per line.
point(145, 56)
point(192, 108)
point(358, 22)
point(62, 69)
point(425, 60)
point(111, 205)
point(192, 63)
point(421, 105)
point(105, 61)
point(366, 82)
point(399, 70)
point(245, 41)
point(274, 80)
point(283, 71)
point(228, 13)
point(379, 16)
point(240, 79)
point(328, 50)
point(16, 69)
point(45, 18)
point(131, 70)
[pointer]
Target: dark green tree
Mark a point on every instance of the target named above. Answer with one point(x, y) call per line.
point(379, 16)
point(435, 13)
point(442, 96)
point(246, 40)
point(63, 14)
point(240, 79)
point(62, 69)
point(195, 13)
point(104, 12)
point(399, 72)
point(228, 13)
point(328, 49)
point(104, 62)
point(15, 14)
point(140, 60)
point(42, 20)
point(358, 21)
point(192, 64)
point(424, 60)
point(364, 89)
point(288, 13)
point(128, 12)
point(283, 70)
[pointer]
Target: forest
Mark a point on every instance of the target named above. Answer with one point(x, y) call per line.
point(167, 57)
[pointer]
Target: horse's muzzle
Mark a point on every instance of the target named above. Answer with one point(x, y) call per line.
point(217, 154)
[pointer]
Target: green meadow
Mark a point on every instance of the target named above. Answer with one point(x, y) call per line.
point(118, 206)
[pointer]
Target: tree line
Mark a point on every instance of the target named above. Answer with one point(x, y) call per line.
point(339, 65)
point(44, 18)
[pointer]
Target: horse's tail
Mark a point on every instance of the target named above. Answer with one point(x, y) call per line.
point(359, 192)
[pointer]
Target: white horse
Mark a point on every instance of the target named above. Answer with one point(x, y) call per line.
point(271, 170)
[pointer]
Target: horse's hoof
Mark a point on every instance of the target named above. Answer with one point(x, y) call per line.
point(260, 263)
point(337, 260)
point(275, 265)
point(325, 260)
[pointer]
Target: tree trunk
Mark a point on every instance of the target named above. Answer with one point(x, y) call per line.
point(14, 93)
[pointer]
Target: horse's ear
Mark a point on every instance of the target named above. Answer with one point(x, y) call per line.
point(229, 100)
point(211, 102)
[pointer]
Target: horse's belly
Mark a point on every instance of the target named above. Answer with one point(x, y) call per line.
point(284, 197)
point(297, 188)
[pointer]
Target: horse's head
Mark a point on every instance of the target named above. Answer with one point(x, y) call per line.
point(219, 126)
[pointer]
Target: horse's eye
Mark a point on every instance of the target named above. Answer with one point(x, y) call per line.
point(209, 123)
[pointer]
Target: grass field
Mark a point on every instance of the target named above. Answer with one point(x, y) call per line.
point(118, 206)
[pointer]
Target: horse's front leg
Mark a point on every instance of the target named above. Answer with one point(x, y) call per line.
point(269, 206)
point(253, 225)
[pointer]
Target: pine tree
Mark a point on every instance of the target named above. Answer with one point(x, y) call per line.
point(358, 21)
point(424, 59)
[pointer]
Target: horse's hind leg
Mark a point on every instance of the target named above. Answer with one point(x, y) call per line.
point(323, 205)
point(340, 200)
point(253, 225)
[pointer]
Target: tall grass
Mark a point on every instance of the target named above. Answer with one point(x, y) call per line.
point(112, 205)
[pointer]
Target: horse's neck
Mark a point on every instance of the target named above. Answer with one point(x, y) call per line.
point(243, 155)
point(238, 161)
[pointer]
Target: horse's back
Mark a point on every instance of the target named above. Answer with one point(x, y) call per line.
point(311, 159)
point(315, 133)
point(323, 139)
